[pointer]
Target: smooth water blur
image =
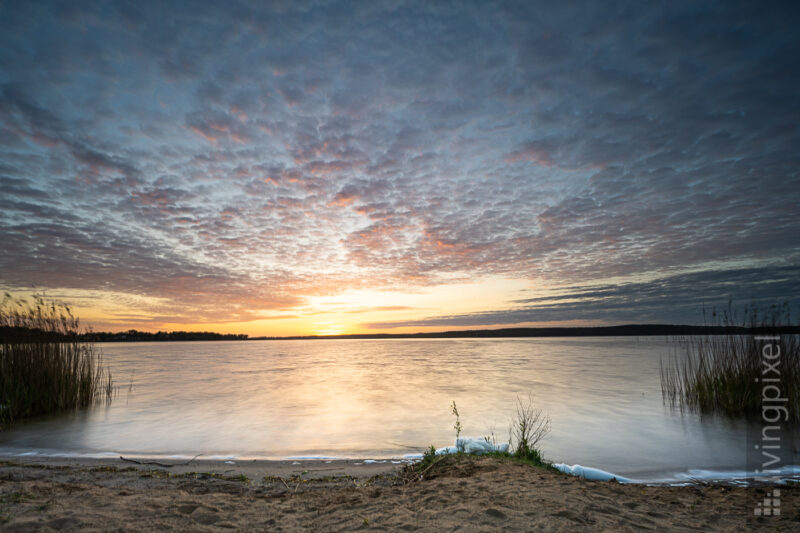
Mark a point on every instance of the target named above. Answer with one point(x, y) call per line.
point(387, 398)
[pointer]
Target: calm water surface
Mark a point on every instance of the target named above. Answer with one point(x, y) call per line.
point(388, 398)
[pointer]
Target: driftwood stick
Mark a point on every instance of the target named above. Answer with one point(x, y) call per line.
point(433, 463)
point(156, 463)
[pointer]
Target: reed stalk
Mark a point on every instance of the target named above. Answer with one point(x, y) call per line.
point(723, 374)
point(45, 366)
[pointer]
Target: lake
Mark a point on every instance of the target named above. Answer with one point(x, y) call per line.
point(387, 399)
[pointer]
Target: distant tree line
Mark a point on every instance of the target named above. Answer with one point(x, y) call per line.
point(22, 335)
point(14, 335)
point(133, 335)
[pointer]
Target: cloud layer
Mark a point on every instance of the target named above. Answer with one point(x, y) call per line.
point(233, 159)
point(683, 298)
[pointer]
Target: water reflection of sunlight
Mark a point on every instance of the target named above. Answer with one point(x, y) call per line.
point(385, 398)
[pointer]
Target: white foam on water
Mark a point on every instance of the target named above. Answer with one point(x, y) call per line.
point(690, 477)
point(779, 475)
point(71, 455)
point(311, 458)
point(472, 445)
point(593, 474)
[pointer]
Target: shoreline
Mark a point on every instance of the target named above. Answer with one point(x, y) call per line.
point(254, 468)
point(364, 467)
point(619, 330)
point(467, 492)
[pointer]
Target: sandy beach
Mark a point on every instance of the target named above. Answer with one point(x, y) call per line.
point(471, 494)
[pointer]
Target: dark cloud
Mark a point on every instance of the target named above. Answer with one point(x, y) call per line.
point(679, 299)
point(301, 148)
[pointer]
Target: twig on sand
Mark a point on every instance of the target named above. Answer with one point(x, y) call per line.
point(410, 475)
point(422, 474)
point(156, 463)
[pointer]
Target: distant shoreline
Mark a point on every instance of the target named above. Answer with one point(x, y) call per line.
point(626, 330)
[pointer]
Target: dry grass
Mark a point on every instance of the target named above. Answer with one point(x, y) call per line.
point(529, 427)
point(44, 366)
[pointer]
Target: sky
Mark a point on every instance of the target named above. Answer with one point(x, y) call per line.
point(283, 168)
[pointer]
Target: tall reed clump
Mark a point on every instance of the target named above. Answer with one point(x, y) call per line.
point(726, 374)
point(45, 367)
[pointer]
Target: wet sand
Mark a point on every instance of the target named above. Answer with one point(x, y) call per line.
point(470, 494)
point(255, 469)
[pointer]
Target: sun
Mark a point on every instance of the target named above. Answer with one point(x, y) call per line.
point(329, 329)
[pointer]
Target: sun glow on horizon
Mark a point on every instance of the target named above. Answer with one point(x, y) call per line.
point(348, 312)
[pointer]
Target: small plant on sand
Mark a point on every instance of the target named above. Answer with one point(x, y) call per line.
point(726, 373)
point(45, 367)
point(529, 427)
point(457, 425)
point(428, 458)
